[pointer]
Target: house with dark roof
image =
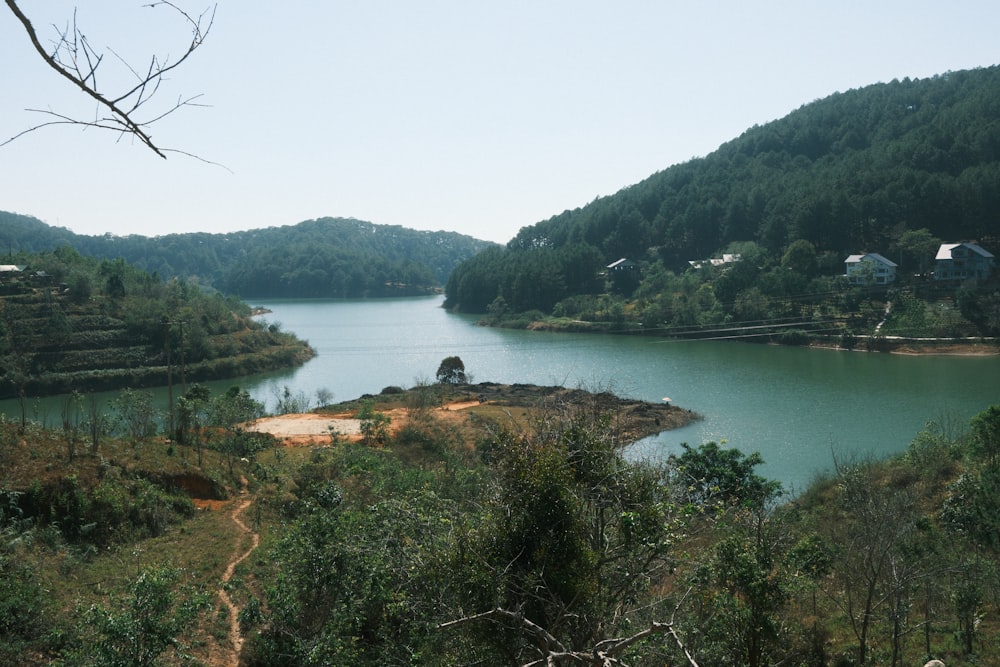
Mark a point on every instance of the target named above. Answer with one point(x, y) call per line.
point(624, 275)
point(622, 265)
point(963, 261)
point(869, 268)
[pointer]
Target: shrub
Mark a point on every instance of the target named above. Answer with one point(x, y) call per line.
point(795, 337)
point(848, 340)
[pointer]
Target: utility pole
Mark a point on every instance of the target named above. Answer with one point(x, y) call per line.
point(170, 375)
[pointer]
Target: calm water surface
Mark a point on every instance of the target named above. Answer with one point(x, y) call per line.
point(798, 407)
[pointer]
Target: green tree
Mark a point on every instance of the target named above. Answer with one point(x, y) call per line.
point(968, 598)
point(360, 576)
point(573, 534)
point(714, 478)
point(918, 248)
point(235, 408)
point(374, 424)
point(25, 605)
point(985, 432)
point(192, 415)
point(451, 371)
point(753, 586)
point(136, 629)
point(137, 412)
point(80, 288)
point(234, 411)
point(800, 257)
point(972, 508)
point(114, 274)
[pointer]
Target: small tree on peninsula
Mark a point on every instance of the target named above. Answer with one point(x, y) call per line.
point(451, 371)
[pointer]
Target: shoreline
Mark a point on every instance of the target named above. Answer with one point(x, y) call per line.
point(915, 347)
point(883, 344)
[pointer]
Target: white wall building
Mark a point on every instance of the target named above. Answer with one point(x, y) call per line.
point(870, 269)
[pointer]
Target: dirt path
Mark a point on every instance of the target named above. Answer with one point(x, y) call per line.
point(232, 657)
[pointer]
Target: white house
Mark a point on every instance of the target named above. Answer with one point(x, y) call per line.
point(9, 271)
point(963, 261)
point(870, 269)
point(727, 258)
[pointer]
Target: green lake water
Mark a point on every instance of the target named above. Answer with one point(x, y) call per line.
point(798, 407)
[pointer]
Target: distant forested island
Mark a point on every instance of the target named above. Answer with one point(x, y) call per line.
point(323, 258)
point(757, 234)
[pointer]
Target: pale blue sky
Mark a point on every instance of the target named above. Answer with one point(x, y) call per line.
point(476, 117)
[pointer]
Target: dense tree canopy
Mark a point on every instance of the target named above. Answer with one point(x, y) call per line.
point(328, 257)
point(891, 166)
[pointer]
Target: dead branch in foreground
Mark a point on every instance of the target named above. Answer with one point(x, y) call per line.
point(553, 652)
point(75, 59)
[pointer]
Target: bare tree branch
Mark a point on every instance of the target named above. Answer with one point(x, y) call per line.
point(603, 654)
point(76, 60)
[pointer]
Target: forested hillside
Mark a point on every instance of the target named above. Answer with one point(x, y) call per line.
point(328, 257)
point(870, 170)
point(72, 323)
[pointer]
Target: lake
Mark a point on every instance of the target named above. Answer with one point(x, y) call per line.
point(798, 407)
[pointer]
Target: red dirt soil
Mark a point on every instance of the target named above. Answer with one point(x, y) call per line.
point(315, 429)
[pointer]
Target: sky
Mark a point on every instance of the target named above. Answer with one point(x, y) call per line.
point(457, 115)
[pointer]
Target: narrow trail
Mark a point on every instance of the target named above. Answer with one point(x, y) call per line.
point(235, 637)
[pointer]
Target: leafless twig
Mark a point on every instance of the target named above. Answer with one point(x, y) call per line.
point(75, 59)
point(553, 652)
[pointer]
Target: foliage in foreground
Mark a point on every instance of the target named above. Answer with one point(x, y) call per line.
point(545, 544)
point(549, 545)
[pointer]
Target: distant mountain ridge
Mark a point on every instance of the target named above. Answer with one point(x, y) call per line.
point(326, 257)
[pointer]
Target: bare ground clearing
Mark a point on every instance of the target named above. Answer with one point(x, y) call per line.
point(484, 400)
point(316, 428)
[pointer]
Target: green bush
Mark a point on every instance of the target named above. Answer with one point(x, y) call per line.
point(795, 337)
point(22, 605)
